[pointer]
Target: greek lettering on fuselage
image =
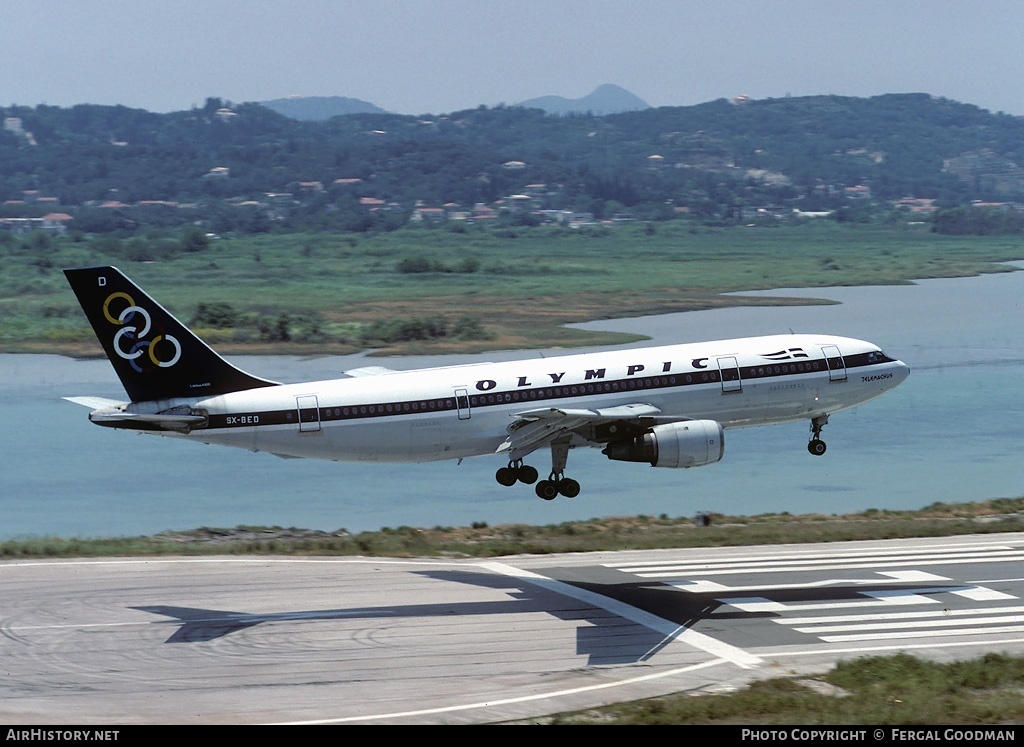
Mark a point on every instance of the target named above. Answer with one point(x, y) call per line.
point(591, 374)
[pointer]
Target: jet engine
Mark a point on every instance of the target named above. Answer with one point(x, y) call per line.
point(692, 443)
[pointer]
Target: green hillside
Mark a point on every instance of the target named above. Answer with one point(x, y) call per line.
point(247, 168)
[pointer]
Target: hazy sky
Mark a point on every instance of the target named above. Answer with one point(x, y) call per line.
point(438, 56)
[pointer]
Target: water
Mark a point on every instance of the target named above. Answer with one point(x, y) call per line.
point(951, 432)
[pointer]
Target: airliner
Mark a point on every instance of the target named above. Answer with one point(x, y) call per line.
point(665, 406)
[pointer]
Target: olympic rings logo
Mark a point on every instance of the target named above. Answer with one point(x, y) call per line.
point(130, 342)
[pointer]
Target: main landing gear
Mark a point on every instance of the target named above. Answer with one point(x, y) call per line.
point(556, 484)
point(815, 445)
point(516, 472)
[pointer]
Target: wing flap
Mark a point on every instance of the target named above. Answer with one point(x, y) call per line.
point(533, 429)
point(531, 435)
point(604, 414)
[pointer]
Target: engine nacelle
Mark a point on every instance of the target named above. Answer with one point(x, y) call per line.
point(692, 443)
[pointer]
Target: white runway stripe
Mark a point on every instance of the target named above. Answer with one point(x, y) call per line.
point(957, 632)
point(761, 558)
point(890, 625)
point(946, 613)
point(775, 566)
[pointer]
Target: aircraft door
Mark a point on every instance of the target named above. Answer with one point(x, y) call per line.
point(836, 364)
point(462, 404)
point(730, 370)
point(309, 413)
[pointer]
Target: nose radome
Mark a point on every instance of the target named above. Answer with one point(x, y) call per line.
point(902, 371)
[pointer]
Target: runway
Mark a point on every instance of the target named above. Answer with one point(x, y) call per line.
point(252, 640)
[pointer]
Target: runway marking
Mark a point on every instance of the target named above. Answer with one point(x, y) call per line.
point(884, 625)
point(73, 626)
point(1010, 580)
point(761, 558)
point(512, 701)
point(889, 577)
point(237, 617)
point(883, 598)
point(899, 615)
point(982, 594)
point(921, 634)
point(892, 625)
point(760, 604)
point(774, 565)
point(901, 625)
point(905, 646)
point(227, 559)
point(670, 630)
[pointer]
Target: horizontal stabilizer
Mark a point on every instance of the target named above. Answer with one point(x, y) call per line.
point(180, 419)
point(94, 403)
point(369, 371)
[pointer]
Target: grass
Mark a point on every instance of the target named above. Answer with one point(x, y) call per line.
point(524, 285)
point(876, 690)
point(595, 535)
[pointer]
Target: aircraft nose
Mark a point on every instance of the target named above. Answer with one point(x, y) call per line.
point(902, 371)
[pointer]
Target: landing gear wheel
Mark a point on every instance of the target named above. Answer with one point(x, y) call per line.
point(506, 476)
point(547, 490)
point(816, 447)
point(568, 487)
point(527, 474)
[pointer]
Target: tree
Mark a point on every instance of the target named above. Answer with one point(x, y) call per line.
point(194, 240)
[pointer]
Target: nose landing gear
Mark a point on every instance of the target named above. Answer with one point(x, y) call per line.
point(815, 445)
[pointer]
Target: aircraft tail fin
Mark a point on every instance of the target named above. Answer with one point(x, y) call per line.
point(155, 356)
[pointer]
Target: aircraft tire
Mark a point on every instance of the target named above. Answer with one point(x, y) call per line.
point(527, 474)
point(506, 476)
point(568, 487)
point(547, 490)
point(816, 447)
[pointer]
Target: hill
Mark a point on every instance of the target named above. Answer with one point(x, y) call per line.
point(605, 99)
point(320, 108)
point(248, 168)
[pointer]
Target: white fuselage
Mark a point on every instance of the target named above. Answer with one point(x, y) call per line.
point(463, 411)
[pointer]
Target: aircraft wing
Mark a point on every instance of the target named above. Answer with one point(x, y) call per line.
point(534, 429)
